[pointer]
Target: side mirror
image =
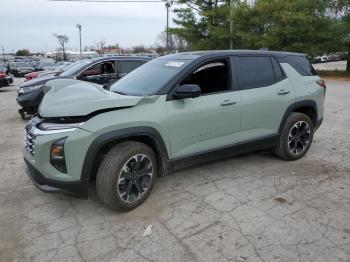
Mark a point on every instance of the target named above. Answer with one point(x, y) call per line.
point(187, 91)
point(106, 86)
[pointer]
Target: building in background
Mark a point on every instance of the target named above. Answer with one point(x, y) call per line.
point(72, 55)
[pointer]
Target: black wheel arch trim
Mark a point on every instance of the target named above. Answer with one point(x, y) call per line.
point(295, 106)
point(128, 133)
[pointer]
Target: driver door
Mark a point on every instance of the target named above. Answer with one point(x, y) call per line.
point(101, 73)
point(210, 121)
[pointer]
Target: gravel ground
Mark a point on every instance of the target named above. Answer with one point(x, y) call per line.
point(254, 207)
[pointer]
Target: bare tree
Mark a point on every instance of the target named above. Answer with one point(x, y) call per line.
point(100, 46)
point(176, 43)
point(62, 40)
point(138, 49)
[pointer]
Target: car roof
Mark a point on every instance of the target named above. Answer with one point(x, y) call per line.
point(106, 58)
point(213, 53)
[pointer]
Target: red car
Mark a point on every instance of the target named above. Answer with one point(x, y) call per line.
point(5, 80)
point(32, 75)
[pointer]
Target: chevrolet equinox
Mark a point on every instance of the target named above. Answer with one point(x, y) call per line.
point(170, 113)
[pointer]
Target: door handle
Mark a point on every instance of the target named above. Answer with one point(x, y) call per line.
point(228, 103)
point(283, 92)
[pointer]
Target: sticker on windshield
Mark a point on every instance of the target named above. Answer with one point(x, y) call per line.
point(174, 63)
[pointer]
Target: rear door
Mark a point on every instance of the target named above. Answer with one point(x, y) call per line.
point(265, 96)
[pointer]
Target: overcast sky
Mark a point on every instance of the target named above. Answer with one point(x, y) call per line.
point(31, 23)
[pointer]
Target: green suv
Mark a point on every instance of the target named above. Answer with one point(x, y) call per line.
point(173, 112)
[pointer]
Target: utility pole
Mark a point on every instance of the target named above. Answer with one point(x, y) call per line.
point(231, 24)
point(167, 5)
point(79, 27)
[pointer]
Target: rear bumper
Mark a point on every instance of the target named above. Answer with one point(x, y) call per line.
point(79, 188)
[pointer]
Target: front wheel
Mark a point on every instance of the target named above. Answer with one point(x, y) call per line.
point(126, 175)
point(296, 137)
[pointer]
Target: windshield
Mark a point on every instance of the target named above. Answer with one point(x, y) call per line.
point(149, 78)
point(75, 67)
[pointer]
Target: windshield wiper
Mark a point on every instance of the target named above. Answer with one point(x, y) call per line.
point(118, 92)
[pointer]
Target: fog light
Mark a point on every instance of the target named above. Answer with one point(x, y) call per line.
point(57, 155)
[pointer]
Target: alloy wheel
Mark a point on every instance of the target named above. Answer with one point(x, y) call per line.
point(135, 178)
point(299, 137)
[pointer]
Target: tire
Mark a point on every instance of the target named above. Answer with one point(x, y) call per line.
point(113, 181)
point(296, 137)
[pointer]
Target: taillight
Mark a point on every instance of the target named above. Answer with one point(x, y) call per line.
point(321, 83)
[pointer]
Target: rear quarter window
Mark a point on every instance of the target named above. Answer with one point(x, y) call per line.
point(300, 63)
point(255, 72)
point(279, 74)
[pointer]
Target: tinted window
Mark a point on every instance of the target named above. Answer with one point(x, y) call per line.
point(75, 67)
point(255, 72)
point(212, 77)
point(126, 66)
point(93, 70)
point(300, 63)
point(279, 74)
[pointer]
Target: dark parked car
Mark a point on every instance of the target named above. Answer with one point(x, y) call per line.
point(21, 68)
point(103, 71)
point(45, 66)
point(5, 79)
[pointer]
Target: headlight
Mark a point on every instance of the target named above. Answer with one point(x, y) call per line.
point(57, 158)
point(58, 126)
point(27, 89)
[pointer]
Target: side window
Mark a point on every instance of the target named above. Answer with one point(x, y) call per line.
point(300, 63)
point(126, 66)
point(255, 72)
point(98, 69)
point(211, 77)
point(279, 74)
point(91, 71)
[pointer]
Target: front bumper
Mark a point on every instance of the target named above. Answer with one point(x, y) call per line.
point(36, 152)
point(55, 186)
point(30, 99)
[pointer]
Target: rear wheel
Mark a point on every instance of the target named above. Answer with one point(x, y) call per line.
point(296, 137)
point(126, 175)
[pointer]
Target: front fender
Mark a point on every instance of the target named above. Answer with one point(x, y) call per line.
point(90, 164)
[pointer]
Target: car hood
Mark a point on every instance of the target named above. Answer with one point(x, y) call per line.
point(39, 81)
point(73, 98)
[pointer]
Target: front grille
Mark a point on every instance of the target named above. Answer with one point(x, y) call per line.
point(29, 139)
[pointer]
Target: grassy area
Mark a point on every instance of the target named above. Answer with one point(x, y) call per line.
point(333, 73)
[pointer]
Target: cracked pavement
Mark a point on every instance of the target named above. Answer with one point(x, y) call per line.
point(254, 207)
